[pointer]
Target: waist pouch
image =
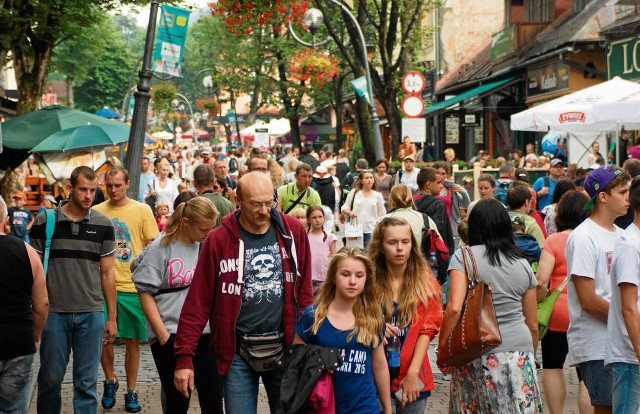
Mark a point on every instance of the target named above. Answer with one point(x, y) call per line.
point(261, 352)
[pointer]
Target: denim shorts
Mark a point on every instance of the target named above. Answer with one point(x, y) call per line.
point(626, 388)
point(598, 381)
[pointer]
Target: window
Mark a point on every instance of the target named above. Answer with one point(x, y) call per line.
point(578, 5)
point(538, 10)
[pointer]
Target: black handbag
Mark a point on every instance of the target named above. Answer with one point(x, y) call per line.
point(151, 200)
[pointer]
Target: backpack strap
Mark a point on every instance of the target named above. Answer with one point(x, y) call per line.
point(547, 182)
point(51, 225)
point(305, 193)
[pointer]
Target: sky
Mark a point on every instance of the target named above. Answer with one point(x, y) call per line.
point(141, 14)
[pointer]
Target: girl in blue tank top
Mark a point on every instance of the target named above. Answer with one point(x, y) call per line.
point(347, 316)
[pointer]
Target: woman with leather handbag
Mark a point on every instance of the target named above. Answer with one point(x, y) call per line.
point(501, 377)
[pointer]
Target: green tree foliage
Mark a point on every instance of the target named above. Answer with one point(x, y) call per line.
point(97, 63)
point(30, 31)
point(395, 27)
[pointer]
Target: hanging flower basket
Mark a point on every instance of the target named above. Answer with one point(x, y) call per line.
point(313, 67)
point(242, 16)
point(211, 105)
point(163, 95)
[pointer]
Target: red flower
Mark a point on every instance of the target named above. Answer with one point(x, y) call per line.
point(246, 14)
point(318, 68)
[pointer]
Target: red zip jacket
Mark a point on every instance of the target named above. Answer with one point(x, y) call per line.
point(216, 294)
point(426, 321)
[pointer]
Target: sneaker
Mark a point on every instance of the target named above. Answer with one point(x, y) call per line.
point(109, 394)
point(131, 402)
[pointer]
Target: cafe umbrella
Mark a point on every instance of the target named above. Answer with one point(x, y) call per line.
point(84, 138)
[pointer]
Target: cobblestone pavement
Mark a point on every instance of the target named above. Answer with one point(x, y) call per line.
point(149, 389)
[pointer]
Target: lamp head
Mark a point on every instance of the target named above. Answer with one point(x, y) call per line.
point(313, 18)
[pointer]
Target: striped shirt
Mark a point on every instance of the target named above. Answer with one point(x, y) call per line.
point(73, 278)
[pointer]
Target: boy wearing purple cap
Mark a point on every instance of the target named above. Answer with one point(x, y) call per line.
point(589, 251)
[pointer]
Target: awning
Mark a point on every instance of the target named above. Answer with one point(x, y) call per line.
point(471, 93)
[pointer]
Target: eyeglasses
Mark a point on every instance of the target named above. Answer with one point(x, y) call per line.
point(262, 170)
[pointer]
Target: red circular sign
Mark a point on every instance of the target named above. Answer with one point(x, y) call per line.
point(413, 106)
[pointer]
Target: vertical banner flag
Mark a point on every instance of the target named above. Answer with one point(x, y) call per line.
point(167, 55)
point(360, 85)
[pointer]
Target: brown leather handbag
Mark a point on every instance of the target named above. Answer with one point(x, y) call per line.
point(476, 332)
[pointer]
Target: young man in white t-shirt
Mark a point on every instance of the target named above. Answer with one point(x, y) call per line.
point(623, 326)
point(589, 251)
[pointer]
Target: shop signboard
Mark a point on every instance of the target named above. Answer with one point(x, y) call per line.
point(549, 78)
point(452, 129)
point(501, 44)
point(623, 59)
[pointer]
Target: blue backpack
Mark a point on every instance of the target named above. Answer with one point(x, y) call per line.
point(502, 188)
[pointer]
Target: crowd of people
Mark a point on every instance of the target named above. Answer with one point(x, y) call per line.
point(232, 265)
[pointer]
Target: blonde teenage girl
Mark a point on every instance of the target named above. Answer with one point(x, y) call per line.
point(346, 315)
point(412, 311)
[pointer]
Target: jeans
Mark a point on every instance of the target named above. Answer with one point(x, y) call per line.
point(366, 239)
point(64, 332)
point(241, 387)
point(206, 378)
point(626, 388)
point(15, 384)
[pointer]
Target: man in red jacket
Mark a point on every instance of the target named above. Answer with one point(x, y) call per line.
point(252, 282)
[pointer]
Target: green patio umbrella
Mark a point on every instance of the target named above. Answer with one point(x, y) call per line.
point(84, 138)
point(28, 130)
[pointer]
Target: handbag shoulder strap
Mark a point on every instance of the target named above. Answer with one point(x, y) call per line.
point(562, 285)
point(472, 274)
point(353, 199)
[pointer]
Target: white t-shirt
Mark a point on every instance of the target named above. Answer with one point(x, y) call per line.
point(589, 252)
point(625, 268)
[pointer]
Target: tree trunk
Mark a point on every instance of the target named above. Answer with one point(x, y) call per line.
point(69, 81)
point(291, 103)
point(31, 75)
point(364, 126)
point(390, 105)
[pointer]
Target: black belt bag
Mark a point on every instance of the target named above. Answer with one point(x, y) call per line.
point(261, 352)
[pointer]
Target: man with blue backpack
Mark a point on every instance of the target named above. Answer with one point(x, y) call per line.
point(503, 183)
point(545, 186)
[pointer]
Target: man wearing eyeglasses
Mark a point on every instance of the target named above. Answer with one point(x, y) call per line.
point(259, 164)
point(204, 181)
point(252, 282)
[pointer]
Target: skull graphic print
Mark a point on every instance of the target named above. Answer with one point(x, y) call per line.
point(263, 274)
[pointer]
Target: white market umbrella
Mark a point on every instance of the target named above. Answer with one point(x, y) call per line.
point(579, 111)
point(164, 135)
point(625, 109)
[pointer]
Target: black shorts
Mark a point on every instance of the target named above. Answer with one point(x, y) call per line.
point(554, 350)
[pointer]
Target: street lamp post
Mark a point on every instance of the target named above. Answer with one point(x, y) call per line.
point(191, 119)
point(313, 18)
point(133, 161)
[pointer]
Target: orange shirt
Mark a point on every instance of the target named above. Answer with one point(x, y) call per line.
point(555, 244)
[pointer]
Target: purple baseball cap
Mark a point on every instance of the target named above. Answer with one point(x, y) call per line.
point(597, 180)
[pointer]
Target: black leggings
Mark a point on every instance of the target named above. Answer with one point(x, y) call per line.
point(206, 378)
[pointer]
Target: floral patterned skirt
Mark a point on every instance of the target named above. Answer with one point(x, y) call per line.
point(500, 383)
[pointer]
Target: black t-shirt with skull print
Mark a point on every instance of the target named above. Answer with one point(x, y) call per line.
point(262, 292)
